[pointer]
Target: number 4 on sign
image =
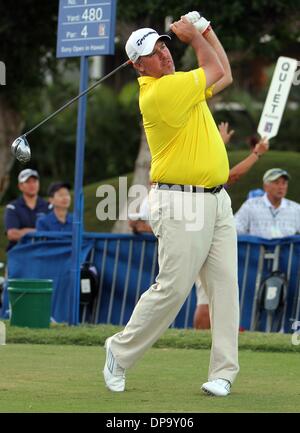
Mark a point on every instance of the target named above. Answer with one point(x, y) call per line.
point(277, 96)
point(84, 31)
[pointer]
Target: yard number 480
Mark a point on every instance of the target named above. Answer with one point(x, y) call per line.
point(92, 14)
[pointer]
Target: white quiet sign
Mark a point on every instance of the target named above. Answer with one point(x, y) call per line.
point(277, 96)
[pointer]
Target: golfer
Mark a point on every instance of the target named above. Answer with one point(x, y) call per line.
point(188, 167)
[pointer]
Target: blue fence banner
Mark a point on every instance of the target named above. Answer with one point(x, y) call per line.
point(127, 266)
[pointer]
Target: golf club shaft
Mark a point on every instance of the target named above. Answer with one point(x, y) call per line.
point(128, 62)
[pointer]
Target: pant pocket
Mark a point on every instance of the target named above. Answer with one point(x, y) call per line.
point(155, 211)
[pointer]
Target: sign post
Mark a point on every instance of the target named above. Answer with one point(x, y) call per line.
point(85, 28)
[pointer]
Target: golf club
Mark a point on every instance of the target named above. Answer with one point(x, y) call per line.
point(20, 147)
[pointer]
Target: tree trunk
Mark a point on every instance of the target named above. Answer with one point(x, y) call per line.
point(11, 125)
point(140, 177)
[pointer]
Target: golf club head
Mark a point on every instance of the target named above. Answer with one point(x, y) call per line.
point(21, 150)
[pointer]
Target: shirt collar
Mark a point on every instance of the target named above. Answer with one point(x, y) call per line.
point(39, 201)
point(269, 204)
point(145, 80)
point(23, 202)
point(56, 220)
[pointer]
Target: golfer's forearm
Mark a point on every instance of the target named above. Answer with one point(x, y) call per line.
point(241, 169)
point(214, 42)
point(207, 58)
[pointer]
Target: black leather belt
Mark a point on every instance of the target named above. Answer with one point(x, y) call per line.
point(186, 188)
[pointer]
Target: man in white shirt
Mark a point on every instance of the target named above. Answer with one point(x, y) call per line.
point(269, 216)
point(272, 215)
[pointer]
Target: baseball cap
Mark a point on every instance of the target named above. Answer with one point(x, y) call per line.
point(253, 193)
point(55, 186)
point(26, 174)
point(274, 174)
point(141, 43)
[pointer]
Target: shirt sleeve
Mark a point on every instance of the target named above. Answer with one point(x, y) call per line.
point(178, 93)
point(242, 219)
point(41, 224)
point(11, 218)
point(209, 92)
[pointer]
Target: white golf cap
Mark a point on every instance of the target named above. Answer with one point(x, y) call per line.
point(141, 43)
point(274, 174)
point(26, 174)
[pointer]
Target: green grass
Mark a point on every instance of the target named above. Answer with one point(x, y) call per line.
point(59, 370)
point(91, 223)
point(53, 378)
point(95, 335)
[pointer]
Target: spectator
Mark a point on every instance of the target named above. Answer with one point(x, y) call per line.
point(258, 148)
point(59, 219)
point(21, 214)
point(270, 216)
point(246, 164)
point(225, 134)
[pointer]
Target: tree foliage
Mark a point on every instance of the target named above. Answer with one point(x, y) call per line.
point(240, 23)
point(112, 135)
point(28, 41)
point(28, 32)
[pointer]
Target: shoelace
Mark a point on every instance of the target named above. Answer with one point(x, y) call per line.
point(225, 383)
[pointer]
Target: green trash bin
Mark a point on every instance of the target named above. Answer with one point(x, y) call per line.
point(30, 302)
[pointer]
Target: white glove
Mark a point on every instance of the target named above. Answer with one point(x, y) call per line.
point(192, 17)
point(198, 21)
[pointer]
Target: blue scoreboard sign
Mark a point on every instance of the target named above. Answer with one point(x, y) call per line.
point(86, 28)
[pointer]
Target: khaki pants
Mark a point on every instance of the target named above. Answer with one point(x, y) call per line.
point(183, 251)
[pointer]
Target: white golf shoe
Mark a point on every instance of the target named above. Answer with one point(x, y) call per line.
point(114, 374)
point(217, 387)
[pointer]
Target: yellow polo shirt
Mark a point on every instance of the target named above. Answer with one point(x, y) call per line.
point(185, 143)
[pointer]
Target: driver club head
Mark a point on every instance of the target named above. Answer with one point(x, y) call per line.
point(21, 150)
